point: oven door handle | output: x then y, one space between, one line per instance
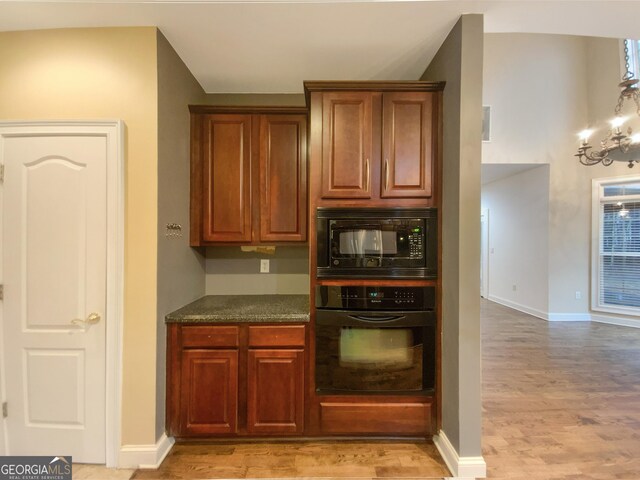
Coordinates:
370 319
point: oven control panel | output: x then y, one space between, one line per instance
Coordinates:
375 297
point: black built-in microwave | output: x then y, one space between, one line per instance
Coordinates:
377 242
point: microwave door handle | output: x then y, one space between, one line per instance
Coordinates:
365 318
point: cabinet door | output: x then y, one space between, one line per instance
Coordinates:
407 140
275 391
283 178
226 177
209 392
347 144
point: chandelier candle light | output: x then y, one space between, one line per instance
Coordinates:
616 144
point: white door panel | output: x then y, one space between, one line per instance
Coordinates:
54 382
54 267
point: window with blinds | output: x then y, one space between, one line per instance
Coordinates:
617 260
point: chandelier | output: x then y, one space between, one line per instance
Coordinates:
616 145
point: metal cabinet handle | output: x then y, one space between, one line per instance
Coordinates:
386 174
90 320
366 163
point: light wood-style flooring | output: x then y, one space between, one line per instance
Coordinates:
343 460
561 400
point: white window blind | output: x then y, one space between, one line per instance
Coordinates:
634 46
618 245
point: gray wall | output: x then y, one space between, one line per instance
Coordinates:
459 63
231 271
180 267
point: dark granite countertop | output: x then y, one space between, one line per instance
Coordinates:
243 308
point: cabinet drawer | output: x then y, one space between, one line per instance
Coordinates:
277 336
390 418
210 337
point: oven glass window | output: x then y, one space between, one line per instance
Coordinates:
368 242
372 348
370 359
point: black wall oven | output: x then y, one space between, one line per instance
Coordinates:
376 242
375 339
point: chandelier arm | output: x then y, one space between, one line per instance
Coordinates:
628 74
615 139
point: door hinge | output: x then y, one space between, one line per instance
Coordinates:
1 292
1 173
5 410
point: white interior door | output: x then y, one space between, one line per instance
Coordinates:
54 261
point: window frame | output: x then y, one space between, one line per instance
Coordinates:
634 57
598 199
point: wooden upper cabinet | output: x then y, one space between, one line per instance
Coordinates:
283 178
346 145
248 175
227 179
407 137
374 143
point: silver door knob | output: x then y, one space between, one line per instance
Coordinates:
90 320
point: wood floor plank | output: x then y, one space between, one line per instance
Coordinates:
339 459
560 399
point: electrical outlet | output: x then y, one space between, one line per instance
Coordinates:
264 265
578 295
514 287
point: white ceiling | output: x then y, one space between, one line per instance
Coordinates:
267 46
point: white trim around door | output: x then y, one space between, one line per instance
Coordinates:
113 132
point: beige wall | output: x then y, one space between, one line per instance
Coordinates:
459 63
543 90
180 267
104 73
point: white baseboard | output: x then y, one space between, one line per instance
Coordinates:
145 456
521 308
550 317
622 321
569 317
460 467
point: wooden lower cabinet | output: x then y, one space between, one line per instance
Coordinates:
235 380
275 391
209 392
375 418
